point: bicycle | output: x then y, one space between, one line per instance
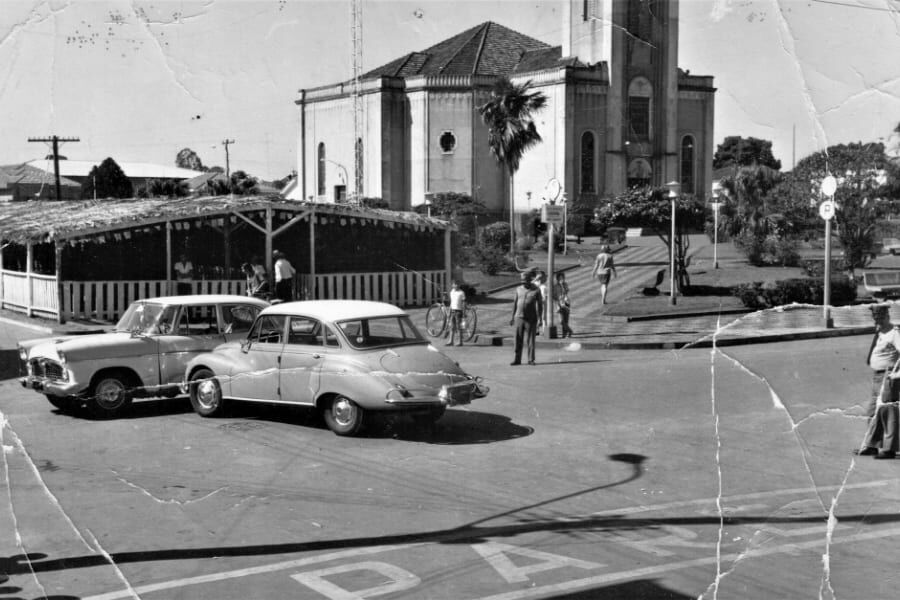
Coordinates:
437 320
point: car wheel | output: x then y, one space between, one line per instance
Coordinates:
109 396
206 393
343 416
63 404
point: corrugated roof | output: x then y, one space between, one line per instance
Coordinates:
486 49
134 170
41 221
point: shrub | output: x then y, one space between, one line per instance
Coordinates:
764 250
758 295
496 235
492 260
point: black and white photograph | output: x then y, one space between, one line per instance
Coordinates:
449 299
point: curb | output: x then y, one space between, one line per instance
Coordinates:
673 315
26 325
687 343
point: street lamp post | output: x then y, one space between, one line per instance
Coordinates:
826 211
339 166
717 189
674 189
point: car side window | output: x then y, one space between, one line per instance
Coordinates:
268 330
331 338
304 331
237 318
201 319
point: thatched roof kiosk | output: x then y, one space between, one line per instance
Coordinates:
52 244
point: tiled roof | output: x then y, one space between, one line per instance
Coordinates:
487 49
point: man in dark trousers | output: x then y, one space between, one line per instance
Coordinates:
528 311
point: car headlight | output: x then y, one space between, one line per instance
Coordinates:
62 356
23 354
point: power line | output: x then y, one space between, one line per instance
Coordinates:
862 6
56 140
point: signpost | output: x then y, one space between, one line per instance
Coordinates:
826 211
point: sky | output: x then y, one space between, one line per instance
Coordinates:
140 80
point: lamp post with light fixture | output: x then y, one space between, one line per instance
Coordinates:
674 190
716 191
339 166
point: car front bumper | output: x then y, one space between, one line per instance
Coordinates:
51 387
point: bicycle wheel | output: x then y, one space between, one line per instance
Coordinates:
469 324
435 320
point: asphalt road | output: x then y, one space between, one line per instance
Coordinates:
594 474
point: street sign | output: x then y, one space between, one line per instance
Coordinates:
829 186
553 214
826 210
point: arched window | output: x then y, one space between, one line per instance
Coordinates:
640 94
320 170
587 163
687 164
639 173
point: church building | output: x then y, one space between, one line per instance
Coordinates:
620 113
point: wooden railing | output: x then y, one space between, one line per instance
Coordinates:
29 293
404 288
107 300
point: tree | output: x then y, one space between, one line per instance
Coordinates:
749 188
447 205
107 181
511 130
738 151
188 159
164 188
862 171
240 184
652 208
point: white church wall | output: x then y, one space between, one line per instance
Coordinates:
330 122
548 159
450 118
418 144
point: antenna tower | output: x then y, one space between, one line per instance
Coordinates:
358 123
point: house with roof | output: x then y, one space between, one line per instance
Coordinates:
620 113
139 173
25 182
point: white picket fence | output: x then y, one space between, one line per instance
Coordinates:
106 300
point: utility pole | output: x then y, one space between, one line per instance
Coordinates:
55 139
358 117
227 164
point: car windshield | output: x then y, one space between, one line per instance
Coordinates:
147 318
378 332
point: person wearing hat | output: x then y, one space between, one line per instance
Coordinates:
881 407
528 311
604 270
284 277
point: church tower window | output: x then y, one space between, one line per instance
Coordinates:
687 164
320 170
587 163
447 142
640 93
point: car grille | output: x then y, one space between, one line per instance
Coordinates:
47 369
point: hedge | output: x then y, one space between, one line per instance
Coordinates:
758 294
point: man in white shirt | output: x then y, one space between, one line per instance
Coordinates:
883 355
457 308
184 275
284 277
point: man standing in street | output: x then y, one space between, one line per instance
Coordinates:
457 309
284 277
883 355
528 311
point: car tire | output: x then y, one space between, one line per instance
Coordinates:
206 394
64 404
110 395
343 416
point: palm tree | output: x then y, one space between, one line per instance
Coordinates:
511 131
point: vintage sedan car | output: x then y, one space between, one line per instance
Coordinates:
143 356
343 357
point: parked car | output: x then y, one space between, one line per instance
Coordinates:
143 356
342 357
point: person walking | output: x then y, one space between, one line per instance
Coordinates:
528 311
561 294
604 270
184 275
284 277
457 309
884 352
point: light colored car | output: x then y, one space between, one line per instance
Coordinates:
143 356
343 357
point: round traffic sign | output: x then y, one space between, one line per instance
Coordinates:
554 189
829 186
826 209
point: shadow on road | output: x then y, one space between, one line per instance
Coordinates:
9 364
630 590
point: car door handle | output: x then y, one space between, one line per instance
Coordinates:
317 356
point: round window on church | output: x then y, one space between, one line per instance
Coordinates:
448 142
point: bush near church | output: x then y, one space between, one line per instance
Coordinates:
759 295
